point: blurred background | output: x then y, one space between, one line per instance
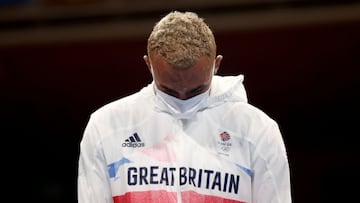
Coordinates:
62 59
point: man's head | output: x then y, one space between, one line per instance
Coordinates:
181 38
181 54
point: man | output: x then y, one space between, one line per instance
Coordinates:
189 136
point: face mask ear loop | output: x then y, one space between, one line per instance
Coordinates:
153 76
213 73
214 68
152 72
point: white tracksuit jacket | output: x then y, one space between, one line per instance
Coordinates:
230 152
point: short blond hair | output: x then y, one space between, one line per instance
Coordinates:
181 38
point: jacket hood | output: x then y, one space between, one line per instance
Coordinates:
227 88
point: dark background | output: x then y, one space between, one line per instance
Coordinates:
305 76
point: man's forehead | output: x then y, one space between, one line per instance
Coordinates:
156 59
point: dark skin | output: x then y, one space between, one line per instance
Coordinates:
183 83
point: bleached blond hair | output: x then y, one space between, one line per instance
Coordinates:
181 38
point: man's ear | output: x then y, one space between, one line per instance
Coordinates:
218 60
147 61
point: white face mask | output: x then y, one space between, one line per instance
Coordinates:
181 109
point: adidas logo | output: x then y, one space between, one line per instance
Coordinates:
133 141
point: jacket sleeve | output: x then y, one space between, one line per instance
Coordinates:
93 185
271 181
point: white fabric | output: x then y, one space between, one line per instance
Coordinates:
231 151
181 109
